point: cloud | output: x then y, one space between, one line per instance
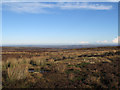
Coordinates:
84 42
112 0
116 40
85 6
60 0
42 7
27 7
105 41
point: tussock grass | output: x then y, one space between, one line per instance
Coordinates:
60 67
17 72
82 68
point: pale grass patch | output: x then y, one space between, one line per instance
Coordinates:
17 73
38 60
60 67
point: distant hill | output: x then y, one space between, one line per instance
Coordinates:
60 46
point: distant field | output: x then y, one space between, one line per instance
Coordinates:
34 67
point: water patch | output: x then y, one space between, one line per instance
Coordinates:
31 70
44 71
40 71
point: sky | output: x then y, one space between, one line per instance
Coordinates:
59 23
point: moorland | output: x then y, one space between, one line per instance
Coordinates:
34 67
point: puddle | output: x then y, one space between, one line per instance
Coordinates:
104 62
31 70
41 71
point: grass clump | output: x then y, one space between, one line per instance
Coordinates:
82 64
60 68
17 73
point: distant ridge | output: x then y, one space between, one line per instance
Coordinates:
59 46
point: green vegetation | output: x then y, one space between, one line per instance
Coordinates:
82 65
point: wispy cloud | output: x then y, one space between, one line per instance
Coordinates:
61 0
42 7
27 7
85 6
84 42
116 40
105 41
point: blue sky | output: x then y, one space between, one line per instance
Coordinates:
59 23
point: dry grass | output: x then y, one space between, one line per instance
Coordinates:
74 68
60 67
17 72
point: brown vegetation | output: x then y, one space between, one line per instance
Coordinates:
25 67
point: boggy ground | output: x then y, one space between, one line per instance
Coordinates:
24 67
